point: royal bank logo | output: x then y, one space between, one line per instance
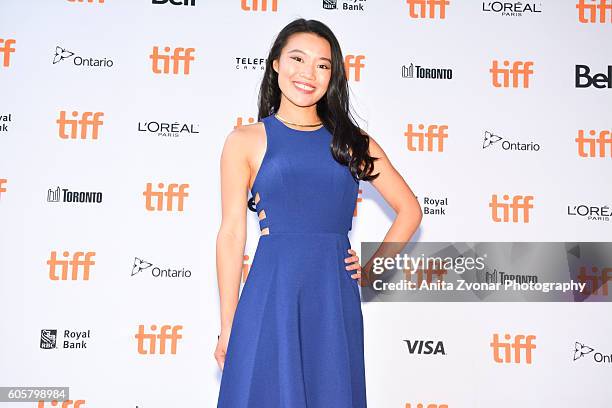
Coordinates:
48 338
348 5
492 140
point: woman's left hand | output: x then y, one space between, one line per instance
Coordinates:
354 261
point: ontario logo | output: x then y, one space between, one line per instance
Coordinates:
581 351
491 139
62 54
141 265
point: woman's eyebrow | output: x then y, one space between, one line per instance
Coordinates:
300 51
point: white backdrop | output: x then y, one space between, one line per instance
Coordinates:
230 42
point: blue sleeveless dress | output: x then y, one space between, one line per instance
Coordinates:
297 334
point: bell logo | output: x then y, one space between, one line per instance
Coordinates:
519 69
587 145
69 128
171 194
427 8
64 404
179 55
2 188
81 261
252 5
519 203
353 63
147 341
593 8
521 343
434 133
6 49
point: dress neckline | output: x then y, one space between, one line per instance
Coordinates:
295 130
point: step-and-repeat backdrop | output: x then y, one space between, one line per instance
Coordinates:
112 119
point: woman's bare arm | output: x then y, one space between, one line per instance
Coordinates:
231 238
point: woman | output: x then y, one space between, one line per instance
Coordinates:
297 330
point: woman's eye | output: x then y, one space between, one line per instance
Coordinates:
295 58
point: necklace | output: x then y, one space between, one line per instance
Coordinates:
296 124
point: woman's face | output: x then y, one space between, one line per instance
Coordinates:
304 68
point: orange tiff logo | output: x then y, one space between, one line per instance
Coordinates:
596 280
154 200
253 5
435 135
513 209
147 342
81 262
587 145
78 126
427 8
180 56
3 181
353 63
522 345
64 404
520 70
594 9
420 405
6 49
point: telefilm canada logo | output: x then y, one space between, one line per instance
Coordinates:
351 5
64 195
250 63
62 54
141 265
71 339
511 8
413 71
171 130
491 140
583 351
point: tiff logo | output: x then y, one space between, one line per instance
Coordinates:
427 8
353 63
252 5
179 55
147 341
593 8
6 49
420 405
520 69
78 127
64 404
587 145
595 281
3 181
80 261
502 351
434 133
513 209
171 194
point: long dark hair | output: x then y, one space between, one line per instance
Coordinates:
332 108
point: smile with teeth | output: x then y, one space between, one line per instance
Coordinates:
303 87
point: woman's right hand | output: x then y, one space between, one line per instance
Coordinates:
221 349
